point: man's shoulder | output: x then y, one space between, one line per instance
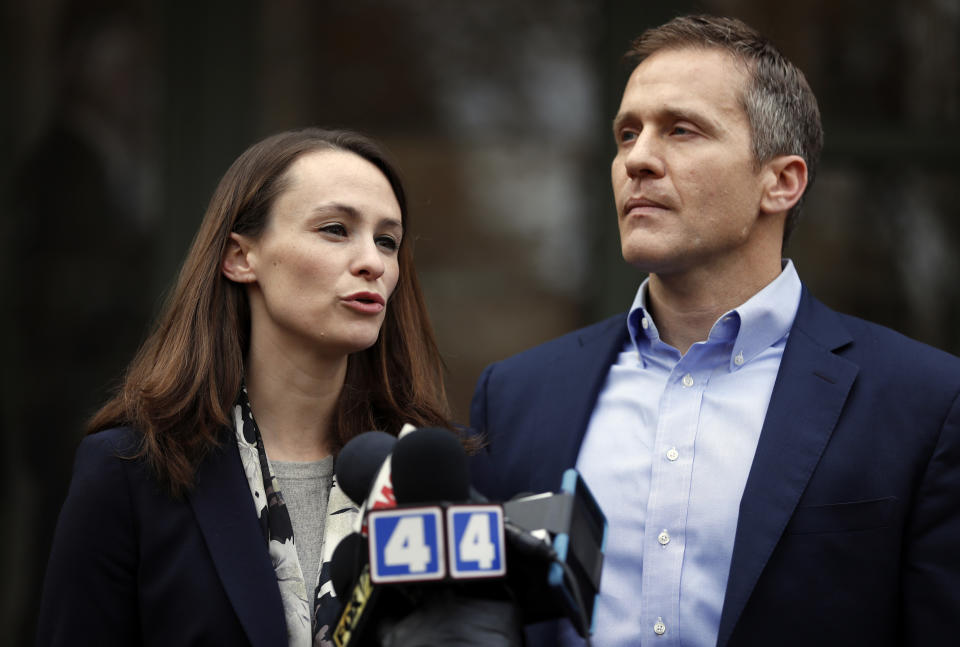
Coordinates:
609 329
892 345
879 346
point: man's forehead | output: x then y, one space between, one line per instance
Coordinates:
699 63
686 79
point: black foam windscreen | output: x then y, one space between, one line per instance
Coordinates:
429 465
347 561
360 460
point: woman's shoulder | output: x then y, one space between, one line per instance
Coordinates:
115 443
104 457
91 579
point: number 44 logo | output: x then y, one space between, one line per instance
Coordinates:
475 543
411 544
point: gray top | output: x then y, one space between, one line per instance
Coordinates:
306 488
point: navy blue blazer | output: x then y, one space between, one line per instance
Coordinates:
132 566
849 527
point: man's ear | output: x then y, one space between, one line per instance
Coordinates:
236 264
785 180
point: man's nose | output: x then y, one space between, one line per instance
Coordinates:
644 156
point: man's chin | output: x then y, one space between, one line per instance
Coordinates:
644 259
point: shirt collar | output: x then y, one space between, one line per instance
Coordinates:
759 323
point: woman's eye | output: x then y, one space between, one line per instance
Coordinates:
334 229
388 242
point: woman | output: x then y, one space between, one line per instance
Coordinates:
298 301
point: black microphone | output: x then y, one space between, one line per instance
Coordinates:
359 462
363 471
347 562
439 529
555 542
425 466
558 540
429 466
572 531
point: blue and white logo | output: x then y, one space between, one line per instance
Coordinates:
475 541
406 545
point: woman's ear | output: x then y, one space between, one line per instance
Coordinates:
236 264
785 182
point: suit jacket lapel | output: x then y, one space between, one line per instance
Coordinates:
221 503
571 406
810 392
556 404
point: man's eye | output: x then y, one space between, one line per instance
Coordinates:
627 136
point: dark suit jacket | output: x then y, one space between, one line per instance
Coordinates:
849 527
132 566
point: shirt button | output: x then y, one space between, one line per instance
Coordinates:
659 628
663 538
672 454
738 360
688 380
645 323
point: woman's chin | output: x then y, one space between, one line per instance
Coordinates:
353 343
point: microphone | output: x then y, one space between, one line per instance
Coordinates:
430 466
439 529
570 529
425 466
347 562
555 542
360 461
435 531
363 471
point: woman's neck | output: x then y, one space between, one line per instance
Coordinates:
293 401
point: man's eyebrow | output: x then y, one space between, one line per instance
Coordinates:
684 114
667 113
621 119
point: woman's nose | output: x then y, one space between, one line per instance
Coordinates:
368 260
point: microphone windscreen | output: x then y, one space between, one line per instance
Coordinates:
347 561
429 465
360 460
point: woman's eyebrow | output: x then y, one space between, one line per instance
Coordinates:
338 207
354 214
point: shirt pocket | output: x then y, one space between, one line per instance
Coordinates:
843 517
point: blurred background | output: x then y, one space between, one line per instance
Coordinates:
120 117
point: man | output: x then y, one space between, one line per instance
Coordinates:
773 472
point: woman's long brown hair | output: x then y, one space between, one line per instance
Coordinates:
182 384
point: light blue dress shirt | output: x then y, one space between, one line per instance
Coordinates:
667 453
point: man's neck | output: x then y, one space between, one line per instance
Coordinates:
685 307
